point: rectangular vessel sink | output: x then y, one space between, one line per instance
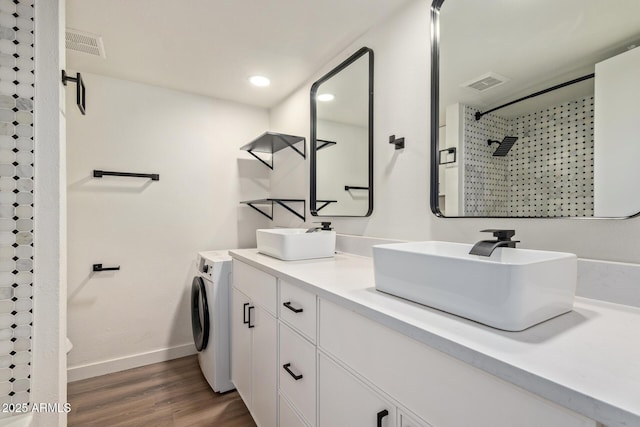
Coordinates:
511 290
292 244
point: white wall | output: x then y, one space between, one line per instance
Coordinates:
401 210
152 229
344 163
617 130
49 363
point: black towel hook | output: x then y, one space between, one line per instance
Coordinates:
81 97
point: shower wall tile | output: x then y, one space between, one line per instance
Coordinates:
17 81
551 170
548 172
485 184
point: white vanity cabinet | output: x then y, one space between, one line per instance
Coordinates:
254 341
299 360
288 416
438 388
298 309
345 401
297 352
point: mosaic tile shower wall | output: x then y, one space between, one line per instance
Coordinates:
16 198
548 172
486 187
551 170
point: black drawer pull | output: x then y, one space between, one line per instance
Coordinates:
295 377
244 313
295 310
249 325
381 415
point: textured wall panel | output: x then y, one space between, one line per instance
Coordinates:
16 198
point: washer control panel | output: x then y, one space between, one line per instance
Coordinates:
205 267
213 264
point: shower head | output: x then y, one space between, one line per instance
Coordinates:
505 145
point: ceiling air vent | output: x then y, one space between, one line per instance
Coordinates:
485 81
84 42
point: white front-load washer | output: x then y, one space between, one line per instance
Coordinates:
210 297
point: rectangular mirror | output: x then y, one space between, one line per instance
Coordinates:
342 139
534 108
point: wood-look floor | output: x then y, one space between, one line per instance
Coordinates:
167 394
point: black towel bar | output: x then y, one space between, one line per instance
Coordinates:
100 174
99 267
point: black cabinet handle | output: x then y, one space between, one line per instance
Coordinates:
381 415
295 310
249 325
295 377
244 313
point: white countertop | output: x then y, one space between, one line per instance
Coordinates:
587 360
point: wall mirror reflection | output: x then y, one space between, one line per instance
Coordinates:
535 108
342 139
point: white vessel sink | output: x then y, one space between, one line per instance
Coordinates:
512 289
292 244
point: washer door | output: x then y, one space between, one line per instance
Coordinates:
199 313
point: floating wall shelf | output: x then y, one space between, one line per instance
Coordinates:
272 142
282 202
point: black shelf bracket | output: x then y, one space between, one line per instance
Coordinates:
272 142
351 187
252 206
81 92
303 153
264 162
323 143
324 204
281 202
152 176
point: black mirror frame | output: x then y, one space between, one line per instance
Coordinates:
436 5
435 100
314 142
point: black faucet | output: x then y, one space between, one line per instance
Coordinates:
326 226
503 239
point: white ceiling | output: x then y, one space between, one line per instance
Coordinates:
211 47
351 90
534 43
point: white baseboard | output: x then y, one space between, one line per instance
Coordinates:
76 373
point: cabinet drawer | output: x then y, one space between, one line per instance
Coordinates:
438 388
298 309
346 402
297 369
256 284
288 417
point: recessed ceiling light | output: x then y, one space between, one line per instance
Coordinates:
259 81
325 97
